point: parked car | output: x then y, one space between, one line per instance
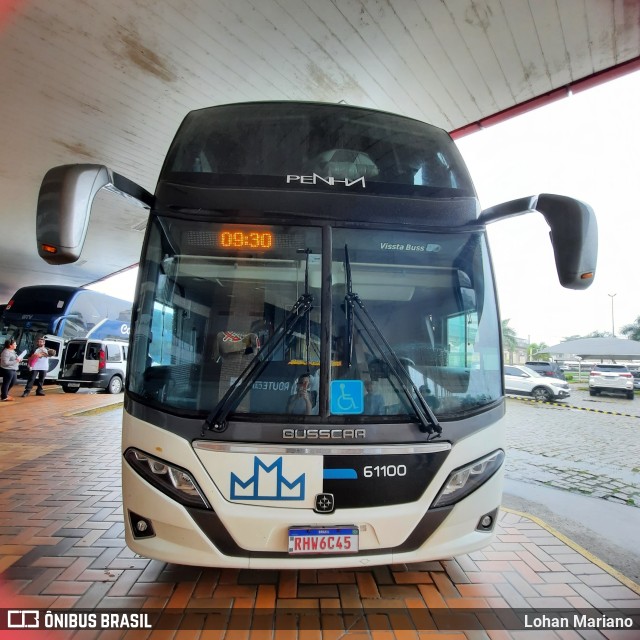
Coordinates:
611 378
636 379
96 364
550 369
524 381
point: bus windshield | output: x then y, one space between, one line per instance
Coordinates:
259 144
217 298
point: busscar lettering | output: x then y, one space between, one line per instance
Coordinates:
329 180
323 434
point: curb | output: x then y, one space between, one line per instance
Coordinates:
576 547
96 411
571 406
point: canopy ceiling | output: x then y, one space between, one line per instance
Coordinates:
109 82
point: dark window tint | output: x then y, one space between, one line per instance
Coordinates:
276 140
37 300
75 352
93 351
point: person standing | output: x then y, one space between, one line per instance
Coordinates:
39 363
9 361
301 403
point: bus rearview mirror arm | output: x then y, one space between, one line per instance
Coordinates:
574 233
64 207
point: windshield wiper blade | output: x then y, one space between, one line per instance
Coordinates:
428 421
217 419
348 306
307 340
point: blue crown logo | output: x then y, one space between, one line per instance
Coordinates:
267 483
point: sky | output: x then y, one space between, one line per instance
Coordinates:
586 146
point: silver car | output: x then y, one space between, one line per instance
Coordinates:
522 381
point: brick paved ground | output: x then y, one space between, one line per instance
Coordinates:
62 547
577 449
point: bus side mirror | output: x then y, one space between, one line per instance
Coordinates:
574 233
64 207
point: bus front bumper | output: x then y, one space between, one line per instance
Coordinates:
179 537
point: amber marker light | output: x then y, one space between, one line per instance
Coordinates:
48 248
587 276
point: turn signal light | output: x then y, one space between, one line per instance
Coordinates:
49 248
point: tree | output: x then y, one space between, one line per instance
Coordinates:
632 331
600 334
537 351
593 334
509 342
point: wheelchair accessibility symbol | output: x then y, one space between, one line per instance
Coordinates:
347 396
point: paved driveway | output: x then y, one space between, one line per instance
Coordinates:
586 445
605 402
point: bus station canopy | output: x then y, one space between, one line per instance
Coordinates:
611 348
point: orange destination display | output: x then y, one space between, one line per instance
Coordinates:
246 239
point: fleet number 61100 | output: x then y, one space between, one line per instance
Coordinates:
384 471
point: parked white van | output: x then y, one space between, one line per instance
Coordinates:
96 364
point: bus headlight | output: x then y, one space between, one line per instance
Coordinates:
171 480
467 479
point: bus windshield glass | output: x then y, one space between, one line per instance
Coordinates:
218 298
286 145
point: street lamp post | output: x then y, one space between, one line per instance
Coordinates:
613 326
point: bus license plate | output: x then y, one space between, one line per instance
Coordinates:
331 540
